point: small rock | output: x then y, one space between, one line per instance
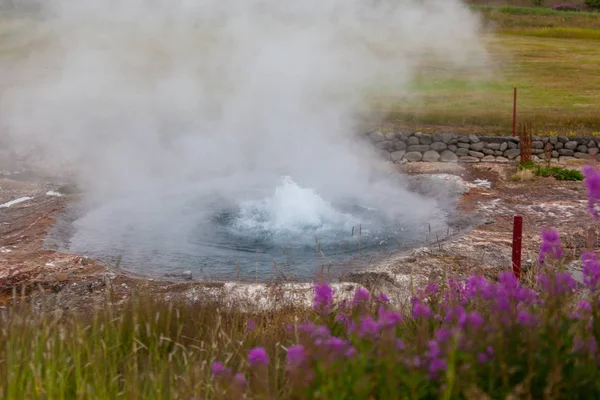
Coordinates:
563 159
566 152
555 154
386 144
477 146
563 139
397 155
493 146
390 136
447 137
501 159
512 145
571 145
498 153
473 139
425 139
418 147
438 146
413 140
452 147
468 159
431 156
187 275
464 145
583 156
512 153
559 145
503 146
413 156
419 134
593 151
488 152
488 159
452 141
462 151
463 139
537 151
448 156
399 145
476 154
582 148
537 144
436 137
553 139
377 136
591 144
402 136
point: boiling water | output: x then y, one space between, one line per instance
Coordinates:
288 231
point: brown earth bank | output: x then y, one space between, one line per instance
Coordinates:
73 281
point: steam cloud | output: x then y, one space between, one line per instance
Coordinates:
142 96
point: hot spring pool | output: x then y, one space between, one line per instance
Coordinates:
285 230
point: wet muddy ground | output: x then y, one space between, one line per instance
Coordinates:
26 266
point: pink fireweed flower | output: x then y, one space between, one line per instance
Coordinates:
591 270
562 283
592 184
550 246
526 319
218 369
251 325
388 319
368 327
361 295
258 356
323 297
240 379
421 310
295 356
382 298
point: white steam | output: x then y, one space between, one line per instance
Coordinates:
145 96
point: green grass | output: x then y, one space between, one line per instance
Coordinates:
552 57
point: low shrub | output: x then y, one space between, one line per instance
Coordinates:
559 173
593 3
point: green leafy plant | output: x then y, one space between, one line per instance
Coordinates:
592 3
559 173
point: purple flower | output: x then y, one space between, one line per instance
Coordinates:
525 318
562 283
258 356
296 355
251 325
400 344
218 369
442 335
591 270
433 349
323 297
437 365
368 327
474 319
592 183
584 306
388 319
361 295
316 331
421 310
550 245
382 298
482 358
240 379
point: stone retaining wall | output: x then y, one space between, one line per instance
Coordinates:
445 147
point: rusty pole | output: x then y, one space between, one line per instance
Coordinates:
516 245
515 112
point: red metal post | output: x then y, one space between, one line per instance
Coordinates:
515 112
516 245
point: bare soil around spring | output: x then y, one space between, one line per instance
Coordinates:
71 280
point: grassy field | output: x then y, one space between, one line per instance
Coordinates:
553 58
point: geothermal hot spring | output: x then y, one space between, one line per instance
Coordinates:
258 232
217 137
